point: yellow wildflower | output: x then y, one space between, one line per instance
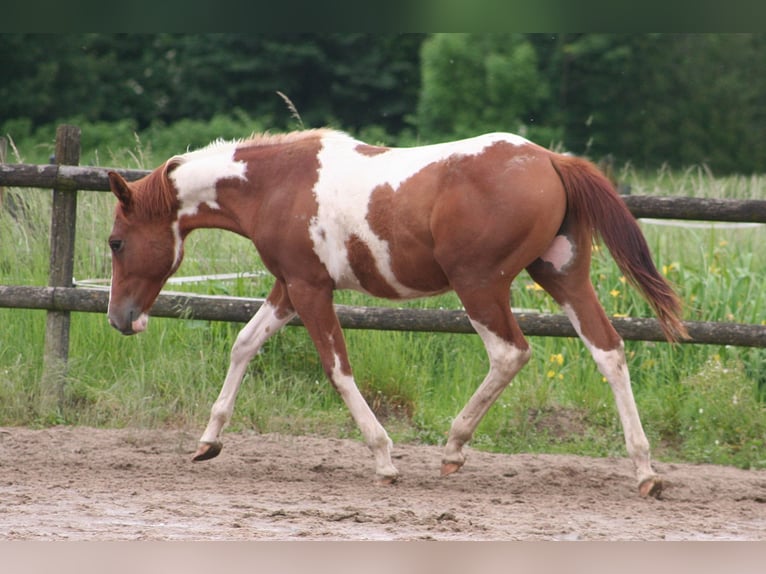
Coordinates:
557 358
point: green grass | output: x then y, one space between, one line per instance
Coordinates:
698 403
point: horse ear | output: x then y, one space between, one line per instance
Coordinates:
120 189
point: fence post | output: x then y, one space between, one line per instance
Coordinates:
62 238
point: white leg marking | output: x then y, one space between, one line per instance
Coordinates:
505 360
613 366
374 434
250 339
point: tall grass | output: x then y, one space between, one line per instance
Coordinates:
698 403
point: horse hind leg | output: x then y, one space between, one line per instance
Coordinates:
574 292
275 312
508 352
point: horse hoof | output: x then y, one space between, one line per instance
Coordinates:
387 480
207 450
651 486
450 468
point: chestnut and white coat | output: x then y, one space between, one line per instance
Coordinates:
328 212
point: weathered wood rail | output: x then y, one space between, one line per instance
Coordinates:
61 297
241 309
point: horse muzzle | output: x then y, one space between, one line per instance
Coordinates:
134 322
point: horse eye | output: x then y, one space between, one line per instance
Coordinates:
116 245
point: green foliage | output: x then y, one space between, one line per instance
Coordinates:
721 418
121 143
474 83
648 99
352 79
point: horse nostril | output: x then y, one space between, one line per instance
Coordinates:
127 329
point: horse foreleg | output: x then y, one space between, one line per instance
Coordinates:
315 307
508 352
275 312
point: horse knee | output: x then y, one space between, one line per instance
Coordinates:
511 360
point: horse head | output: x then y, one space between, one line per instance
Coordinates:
146 247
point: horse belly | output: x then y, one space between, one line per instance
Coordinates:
368 267
393 266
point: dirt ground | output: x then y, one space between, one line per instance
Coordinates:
91 484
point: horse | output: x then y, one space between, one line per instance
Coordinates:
326 211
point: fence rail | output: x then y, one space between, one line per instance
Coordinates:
241 309
61 297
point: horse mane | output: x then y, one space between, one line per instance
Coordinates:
268 139
154 196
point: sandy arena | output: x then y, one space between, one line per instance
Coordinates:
69 483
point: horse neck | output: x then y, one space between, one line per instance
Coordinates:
209 189
234 192
225 213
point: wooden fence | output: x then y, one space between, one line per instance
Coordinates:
60 297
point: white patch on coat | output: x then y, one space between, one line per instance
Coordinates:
199 172
196 178
503 356
575 320
343 189
178 242
560 252
139 325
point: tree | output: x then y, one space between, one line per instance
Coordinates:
43 75
651 99
473 83
350 80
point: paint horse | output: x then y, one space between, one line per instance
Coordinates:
328 212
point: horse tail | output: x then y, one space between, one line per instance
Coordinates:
593 203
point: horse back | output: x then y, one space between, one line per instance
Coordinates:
386 221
